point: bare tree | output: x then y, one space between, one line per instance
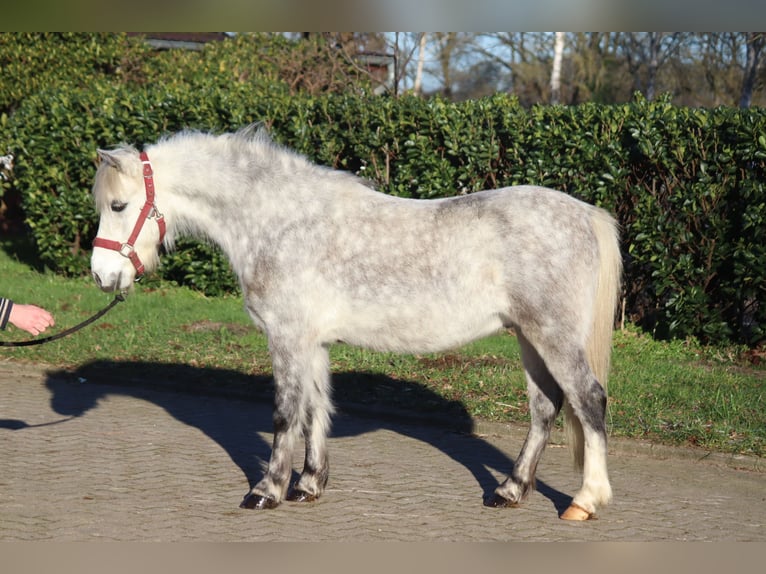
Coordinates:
404 45
698 69
645 53
446 44
418 86
525 56
718 54
596 70
716 68
754 45
558 54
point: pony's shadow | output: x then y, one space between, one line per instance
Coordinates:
237 431
17 424
13 424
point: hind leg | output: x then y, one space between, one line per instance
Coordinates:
587 400
590 408
545 400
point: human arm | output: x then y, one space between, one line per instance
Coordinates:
30 318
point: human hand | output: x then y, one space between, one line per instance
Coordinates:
31 318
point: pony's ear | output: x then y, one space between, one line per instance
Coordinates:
253 131
109 158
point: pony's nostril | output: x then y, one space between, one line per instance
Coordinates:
108 287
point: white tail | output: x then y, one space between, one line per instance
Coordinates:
599 345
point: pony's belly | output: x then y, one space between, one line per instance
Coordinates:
417 334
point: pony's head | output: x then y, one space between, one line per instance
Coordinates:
128 238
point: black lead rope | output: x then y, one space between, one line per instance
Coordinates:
117 299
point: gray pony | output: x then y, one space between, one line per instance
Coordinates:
322 257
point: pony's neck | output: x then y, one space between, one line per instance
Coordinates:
237 192
201 196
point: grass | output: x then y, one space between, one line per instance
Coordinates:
676 392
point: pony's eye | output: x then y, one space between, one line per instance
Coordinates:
118 206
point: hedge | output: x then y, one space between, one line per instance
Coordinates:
687 185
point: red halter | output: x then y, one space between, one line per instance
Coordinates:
149 210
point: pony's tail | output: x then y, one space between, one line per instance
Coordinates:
599 345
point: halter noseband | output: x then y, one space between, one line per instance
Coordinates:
149 210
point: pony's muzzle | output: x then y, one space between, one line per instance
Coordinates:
107 287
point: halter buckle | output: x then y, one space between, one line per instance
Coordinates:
126 249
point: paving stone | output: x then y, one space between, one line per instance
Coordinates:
100 461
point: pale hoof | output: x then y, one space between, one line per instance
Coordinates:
575 512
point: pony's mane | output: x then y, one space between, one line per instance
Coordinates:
255 140
245 140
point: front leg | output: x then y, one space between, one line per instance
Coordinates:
301 408
272 488
288 364
316 466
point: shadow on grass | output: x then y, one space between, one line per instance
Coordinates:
19 246
433 420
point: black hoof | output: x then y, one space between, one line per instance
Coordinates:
497 501
258 502
297 495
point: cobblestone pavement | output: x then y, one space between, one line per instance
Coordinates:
89 460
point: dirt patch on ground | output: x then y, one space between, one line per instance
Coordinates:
452 361
207 326
756 356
